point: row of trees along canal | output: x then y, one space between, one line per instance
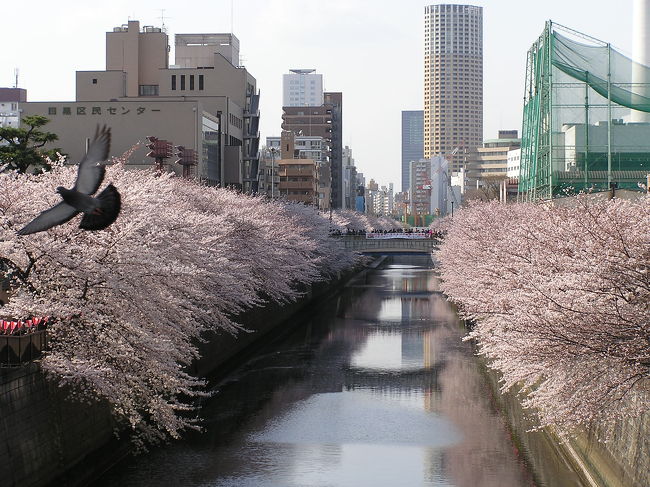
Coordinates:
128 303
559 296
560 301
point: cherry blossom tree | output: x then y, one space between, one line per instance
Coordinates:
560 301
129 303
441 225
354 220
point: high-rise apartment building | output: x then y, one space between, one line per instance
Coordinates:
412 142
315 148
325 121
333 100
384 201
302 88
298 176
311 112
453 81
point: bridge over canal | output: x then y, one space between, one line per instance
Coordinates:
389 245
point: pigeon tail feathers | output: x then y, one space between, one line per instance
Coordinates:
110 203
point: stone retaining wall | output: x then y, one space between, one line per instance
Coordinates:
42 432
628 441
622 461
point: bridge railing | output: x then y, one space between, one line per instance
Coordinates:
360 243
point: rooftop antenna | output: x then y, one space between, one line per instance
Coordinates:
16 76
162 20
231 17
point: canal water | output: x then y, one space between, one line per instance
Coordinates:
373 388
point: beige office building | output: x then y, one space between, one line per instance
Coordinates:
489 162
298 180
206 102
453 82
420 187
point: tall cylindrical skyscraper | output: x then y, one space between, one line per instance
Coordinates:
453 81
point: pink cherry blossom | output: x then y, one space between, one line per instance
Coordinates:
129 303
560 301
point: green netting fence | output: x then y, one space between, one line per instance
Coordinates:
586 120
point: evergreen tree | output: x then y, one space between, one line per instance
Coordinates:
22 147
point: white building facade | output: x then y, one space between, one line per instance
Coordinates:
307 147
302 87
10 99
514 163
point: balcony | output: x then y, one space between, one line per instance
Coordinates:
299 172
297 185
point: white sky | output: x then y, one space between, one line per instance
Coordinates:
372 51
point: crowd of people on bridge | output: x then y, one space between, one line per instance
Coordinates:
362 232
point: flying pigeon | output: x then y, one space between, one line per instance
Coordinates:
98 212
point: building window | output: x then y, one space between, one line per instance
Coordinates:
94 81
182 82
173 82
200 82
148 90
191 82
51 110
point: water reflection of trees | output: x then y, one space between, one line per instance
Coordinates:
317 358
486 457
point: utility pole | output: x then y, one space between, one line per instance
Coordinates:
272 172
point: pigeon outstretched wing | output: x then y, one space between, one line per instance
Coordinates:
91 172
56 215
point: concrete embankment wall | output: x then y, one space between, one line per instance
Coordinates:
46 438
221 347
43 433
628 441
622 461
